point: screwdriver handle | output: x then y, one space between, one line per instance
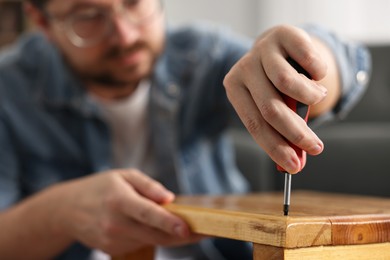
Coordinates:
301 109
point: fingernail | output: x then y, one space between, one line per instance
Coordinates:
323 89
169 194
291 166
317 149
167 197
179 230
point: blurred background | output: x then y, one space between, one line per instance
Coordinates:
364 20
355 159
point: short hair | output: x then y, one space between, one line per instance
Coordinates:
38 3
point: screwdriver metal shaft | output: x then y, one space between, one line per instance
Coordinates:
287 193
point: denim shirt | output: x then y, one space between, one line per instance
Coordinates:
51 132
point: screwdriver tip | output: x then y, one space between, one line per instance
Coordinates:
287 193
286 209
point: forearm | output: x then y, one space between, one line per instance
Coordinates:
29 229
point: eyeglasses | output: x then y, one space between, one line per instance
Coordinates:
90 25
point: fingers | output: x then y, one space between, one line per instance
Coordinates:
263 133
287 80
142 203
292 42
121 205
148 187
254 86
297 44
149 213
281 118
129 235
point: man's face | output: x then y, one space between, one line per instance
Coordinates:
127 52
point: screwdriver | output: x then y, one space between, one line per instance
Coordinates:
303 111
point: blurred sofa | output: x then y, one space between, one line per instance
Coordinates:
356 158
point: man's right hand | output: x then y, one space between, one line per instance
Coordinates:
256 83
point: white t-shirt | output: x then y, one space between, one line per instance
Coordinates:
128 122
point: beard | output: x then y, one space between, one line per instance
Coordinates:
108 80
107 73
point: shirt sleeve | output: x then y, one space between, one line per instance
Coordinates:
9 180
354 64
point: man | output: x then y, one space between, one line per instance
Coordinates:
105 88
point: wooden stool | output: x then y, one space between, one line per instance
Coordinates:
320 225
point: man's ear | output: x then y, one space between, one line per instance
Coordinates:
37 18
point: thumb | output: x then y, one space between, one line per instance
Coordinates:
147 187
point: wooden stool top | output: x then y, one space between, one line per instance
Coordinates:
315 218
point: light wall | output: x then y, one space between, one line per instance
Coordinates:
234 13
363 20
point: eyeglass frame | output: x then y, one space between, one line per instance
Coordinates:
76 40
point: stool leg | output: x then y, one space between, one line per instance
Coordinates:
146 253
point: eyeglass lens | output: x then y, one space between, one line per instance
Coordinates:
93 23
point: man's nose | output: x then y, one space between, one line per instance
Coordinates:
124 32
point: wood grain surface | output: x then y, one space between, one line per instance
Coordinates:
346 252
316 219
